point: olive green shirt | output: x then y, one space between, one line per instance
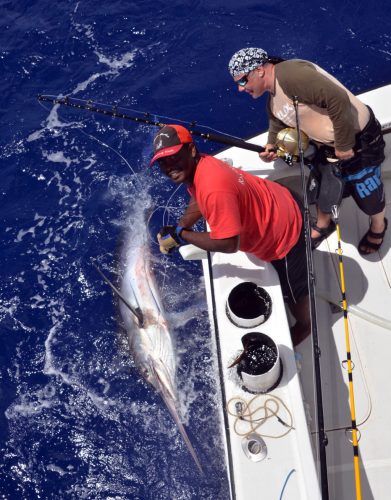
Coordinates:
328 112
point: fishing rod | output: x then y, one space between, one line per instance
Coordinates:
146 118
322 438
335 212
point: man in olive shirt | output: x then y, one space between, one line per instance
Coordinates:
334 119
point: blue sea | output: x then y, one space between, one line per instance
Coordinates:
76 419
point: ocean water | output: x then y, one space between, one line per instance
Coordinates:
76 419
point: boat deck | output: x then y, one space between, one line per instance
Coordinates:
288 464
367 282
293 450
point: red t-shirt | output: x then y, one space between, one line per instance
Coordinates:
234 202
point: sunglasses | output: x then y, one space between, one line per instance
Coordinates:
243 81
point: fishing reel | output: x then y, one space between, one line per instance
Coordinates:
288 145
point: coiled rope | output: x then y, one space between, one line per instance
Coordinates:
251 415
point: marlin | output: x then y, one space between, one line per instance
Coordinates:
147 329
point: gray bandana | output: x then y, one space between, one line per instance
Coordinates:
245 60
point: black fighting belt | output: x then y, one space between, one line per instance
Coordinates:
325 186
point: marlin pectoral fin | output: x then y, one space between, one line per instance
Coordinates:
137 312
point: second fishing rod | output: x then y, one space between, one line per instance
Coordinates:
322 437
147 119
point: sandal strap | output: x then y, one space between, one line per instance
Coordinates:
320 230
323 231
378 235
369 244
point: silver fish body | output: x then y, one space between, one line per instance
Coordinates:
149 336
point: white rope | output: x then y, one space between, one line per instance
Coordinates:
251 415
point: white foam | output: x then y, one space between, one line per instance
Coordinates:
87 289
49 237
57 157
181 318
59 470
83 85
106 385
103 403
31 230
117 63
27 407
42 282
91 162
37 302
52 123
9 308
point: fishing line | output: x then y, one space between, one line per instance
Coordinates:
356 463
148 221
166 211
97 140
90 136
166 259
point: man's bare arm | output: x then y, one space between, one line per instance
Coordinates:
191 215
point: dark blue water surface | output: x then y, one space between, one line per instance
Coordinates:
76 419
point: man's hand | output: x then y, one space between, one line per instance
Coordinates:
169 238
269 154
344 155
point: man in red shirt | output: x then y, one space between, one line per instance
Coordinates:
244 213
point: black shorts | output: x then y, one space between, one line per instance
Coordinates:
366 188
292 270
361 174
